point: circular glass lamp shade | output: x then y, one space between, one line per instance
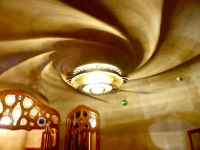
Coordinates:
96 79
97 82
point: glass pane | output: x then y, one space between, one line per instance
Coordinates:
1 107
34 112
78 114
10 100
41 121
92 122
16 114
23 122
27 103
5 120
85 114
55 119
47 115
19 97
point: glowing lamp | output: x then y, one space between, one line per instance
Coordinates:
96 79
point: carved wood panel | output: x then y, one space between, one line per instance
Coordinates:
83 129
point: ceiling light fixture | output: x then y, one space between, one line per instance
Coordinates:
96 79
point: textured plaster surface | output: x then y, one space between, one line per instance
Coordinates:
152 42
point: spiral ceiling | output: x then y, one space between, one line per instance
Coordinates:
151 41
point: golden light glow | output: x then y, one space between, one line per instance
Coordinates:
96 79
97 76
97 88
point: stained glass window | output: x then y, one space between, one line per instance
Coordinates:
20 110
83 129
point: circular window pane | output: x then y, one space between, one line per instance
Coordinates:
41 121
27 103
23 122
10 100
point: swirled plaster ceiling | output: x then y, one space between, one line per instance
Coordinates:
152 41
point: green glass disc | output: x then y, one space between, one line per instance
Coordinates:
124 102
